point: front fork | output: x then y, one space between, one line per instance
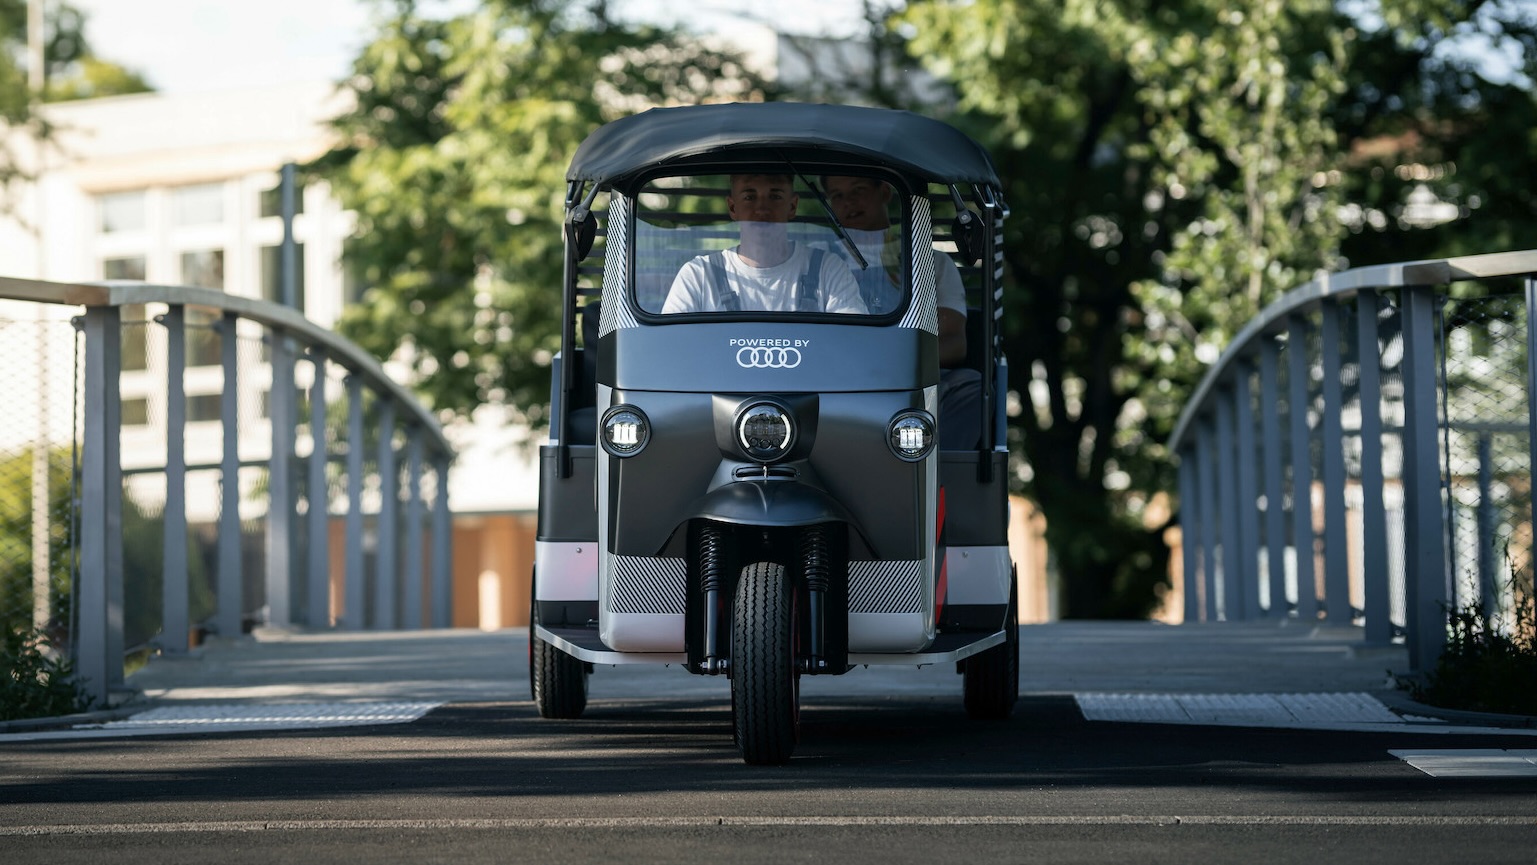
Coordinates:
814 562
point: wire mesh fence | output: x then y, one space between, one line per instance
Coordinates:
1487 451
37 474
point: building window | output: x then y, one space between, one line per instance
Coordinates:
204 340
135 347
131 267
136 411
203 268
202 204
272 274
203 407
122 211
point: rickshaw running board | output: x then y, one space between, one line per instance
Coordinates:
584 644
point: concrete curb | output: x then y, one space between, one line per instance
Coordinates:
1402 704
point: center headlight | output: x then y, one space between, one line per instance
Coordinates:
765 431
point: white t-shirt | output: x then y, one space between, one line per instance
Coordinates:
951 292
764 289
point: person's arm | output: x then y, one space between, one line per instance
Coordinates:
952 312
687 292
952 338
840 289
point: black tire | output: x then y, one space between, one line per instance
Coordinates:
559 681
765 693
991 677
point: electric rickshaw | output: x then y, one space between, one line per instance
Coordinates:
763 495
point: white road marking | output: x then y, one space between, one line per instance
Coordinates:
658 822
1471 762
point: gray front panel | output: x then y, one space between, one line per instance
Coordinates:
886 587
643 584
768 357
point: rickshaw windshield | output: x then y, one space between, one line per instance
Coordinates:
762 243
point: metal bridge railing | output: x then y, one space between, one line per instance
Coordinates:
1362 452
223 463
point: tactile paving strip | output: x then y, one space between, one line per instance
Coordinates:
1244 710
236 717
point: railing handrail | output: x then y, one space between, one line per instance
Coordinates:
1342 285
274 315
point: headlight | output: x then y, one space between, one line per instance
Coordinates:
765 431
911 435
625 430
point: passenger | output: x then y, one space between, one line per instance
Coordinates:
862 205
766 271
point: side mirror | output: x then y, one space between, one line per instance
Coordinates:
581 231
967 230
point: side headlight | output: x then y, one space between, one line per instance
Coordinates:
911 435
625 431
765 431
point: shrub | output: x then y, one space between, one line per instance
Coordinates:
36 681
1486 666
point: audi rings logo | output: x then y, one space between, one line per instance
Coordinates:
768 358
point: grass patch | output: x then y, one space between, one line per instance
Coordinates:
1490 661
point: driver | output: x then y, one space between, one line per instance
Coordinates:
766 271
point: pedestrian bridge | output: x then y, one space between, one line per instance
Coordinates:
1360 454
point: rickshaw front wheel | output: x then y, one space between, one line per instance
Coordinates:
765 692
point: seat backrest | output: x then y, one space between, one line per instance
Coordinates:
976 344
585 392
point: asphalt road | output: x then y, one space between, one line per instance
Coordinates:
883 774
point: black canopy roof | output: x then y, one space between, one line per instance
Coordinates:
702 134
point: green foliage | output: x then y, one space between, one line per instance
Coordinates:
1173 168
454 161
71 70
16 539
35 681
1486 667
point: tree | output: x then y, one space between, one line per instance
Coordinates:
70 68
1173 167
454 159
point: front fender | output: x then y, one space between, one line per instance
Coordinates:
769 502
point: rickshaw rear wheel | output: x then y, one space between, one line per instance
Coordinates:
991 677
765 692
560 681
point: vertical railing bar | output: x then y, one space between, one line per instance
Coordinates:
98 651
1302 467
1227 508
1530 291
1209 508
1190 533
1247 512
442 547
318 569
1337 609
174 616
386 568
1424 558
231 582
1375 573
354 615
1275 509
280 506
413 572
